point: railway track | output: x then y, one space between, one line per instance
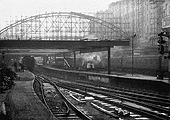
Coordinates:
83 111
146 94
159 109
161 103
159 99
140 105
55 103
85 107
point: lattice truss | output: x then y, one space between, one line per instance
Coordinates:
61 26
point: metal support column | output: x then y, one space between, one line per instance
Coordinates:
108 62
75 60
132 57
45 58
64 57
55 59
133 53
50 59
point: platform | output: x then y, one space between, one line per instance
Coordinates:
140 77
24 103
116 75
115 79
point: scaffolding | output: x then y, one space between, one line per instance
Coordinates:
156 13
62 26
142 17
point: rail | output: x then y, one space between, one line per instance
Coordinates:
81 114
52 117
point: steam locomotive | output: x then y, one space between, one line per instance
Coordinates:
28 62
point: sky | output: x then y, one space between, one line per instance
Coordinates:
14 9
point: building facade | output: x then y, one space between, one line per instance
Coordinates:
140 17
166 16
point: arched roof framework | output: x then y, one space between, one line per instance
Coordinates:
61 26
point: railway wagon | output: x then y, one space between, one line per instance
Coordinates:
29 63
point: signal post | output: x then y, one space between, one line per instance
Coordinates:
161 48
169 58
165 53
166 34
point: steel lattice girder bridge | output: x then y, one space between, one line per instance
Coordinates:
65 26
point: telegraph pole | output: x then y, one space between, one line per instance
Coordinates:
74 60
133 52
132 56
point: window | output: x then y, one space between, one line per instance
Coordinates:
164 13
166 9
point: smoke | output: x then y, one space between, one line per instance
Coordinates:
91 57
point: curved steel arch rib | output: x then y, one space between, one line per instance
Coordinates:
68 17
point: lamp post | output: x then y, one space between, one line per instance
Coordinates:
74 60
133 52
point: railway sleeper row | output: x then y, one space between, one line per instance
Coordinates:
147 103
140 111
115 111
68 114
150 113
159 99
120 95
90 115
137 96
151 98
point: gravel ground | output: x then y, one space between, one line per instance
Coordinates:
24 103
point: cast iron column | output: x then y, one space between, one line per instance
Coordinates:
108 67
75 60
45 58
